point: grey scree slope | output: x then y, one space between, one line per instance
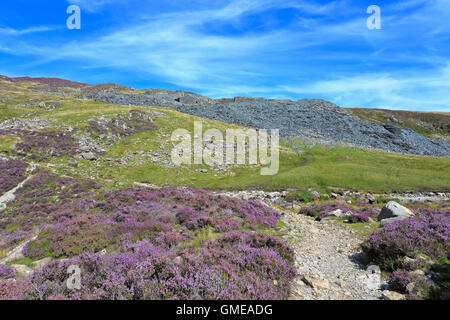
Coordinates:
314 119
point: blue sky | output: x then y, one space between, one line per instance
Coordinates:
276 49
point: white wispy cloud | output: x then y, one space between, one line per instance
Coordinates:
171 45
176 47
15 32
384 90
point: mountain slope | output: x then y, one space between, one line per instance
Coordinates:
143 155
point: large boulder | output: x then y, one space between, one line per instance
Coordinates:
394 210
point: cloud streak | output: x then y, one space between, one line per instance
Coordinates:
15 32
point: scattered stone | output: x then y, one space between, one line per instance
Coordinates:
370 198
314 194
29 124
337 213
394 210
374 269
88 156
392 295
316 281
417 273
325 258
407 260
410 287
178 260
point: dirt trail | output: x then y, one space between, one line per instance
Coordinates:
326 259
16 253
10 195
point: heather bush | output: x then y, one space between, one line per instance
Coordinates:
42 200
322 210
40 145
240 269
12 172
147 235
13 289
427 233
358 218
31 251
225 224
7 272
368 211
399 279
192 219
416 287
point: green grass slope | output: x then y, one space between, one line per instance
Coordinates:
317 166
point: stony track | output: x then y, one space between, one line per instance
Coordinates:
327 261
327 256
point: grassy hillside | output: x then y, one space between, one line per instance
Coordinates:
426 123
127 161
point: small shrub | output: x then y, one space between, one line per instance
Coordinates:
398 280
427 233
7 272
358 218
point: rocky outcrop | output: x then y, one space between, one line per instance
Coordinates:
175 99
321 121
394 210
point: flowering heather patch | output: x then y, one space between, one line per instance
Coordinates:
95 221
148 232
358 218
7 272
42 144
418 287
49 143
36 202
13 289
322 210
399 279
240 265
427 233
51 82
12 172
367 211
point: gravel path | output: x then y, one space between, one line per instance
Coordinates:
326 259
